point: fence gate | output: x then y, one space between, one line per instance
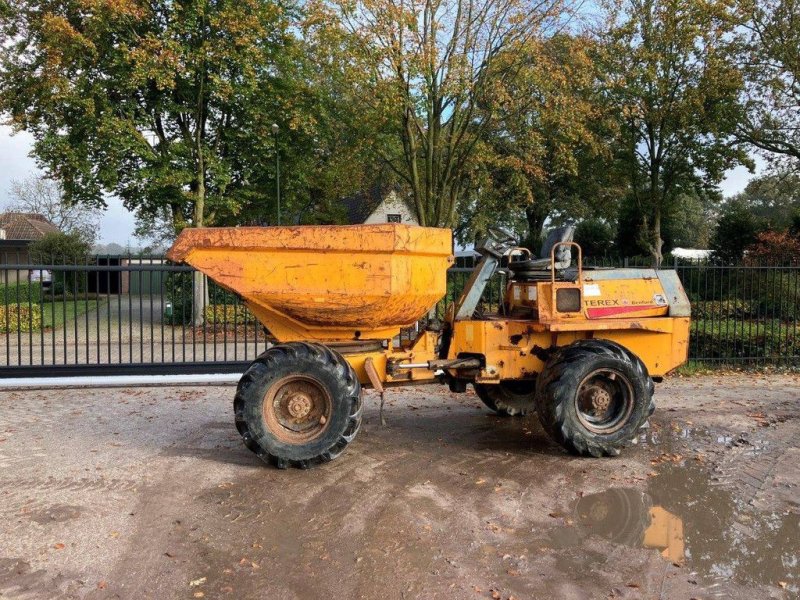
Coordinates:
136 315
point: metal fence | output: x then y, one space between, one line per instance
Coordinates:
134 315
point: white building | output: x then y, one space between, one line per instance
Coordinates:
378 206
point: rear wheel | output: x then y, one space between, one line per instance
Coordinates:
508 398
593 396
298 404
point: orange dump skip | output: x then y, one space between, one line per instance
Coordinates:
325 282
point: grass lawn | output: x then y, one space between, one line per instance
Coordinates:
54 313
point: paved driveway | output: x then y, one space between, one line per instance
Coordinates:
148 493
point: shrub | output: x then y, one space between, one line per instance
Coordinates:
20 317
729 339
736 229
178 287
722 309
22 292
227 314
773 248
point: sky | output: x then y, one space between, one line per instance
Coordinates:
118 223
15 163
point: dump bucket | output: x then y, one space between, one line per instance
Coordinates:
325 282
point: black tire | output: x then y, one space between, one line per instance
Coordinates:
593 396
282 398
508 398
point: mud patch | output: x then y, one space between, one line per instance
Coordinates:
57 513
693 520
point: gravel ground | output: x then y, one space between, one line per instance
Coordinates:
149 493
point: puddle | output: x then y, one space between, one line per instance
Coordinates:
693 523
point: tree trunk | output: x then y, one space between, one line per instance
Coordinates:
657 243
535 215
199 283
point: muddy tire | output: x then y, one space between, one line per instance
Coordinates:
593 396
508 398
298 405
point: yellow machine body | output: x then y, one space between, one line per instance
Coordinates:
349 285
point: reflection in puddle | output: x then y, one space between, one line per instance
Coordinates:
690 521
625 516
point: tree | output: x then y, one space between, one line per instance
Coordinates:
774 197
63 249
167 105
428 64
677 93
737 228
769 55
60 248
45 197
548 146
595 237
689 222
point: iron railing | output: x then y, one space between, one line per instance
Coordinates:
134 315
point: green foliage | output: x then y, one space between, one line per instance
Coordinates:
178 291
22 293
60 249
170 107
677 95
737 228
63 249
734 308
769 52
222 314
773 198
20 317
546 153
734 339
595 237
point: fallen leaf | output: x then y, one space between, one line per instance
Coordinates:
496 595
198 594
59 546
101 585
196 582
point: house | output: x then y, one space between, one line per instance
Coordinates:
17 231
378 205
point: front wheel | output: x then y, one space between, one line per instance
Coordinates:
593 396
298 404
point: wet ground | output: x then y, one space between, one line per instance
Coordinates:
148 493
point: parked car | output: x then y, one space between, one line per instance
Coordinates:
44 276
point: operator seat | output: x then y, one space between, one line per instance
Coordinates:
538 269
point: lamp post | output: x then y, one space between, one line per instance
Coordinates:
275 130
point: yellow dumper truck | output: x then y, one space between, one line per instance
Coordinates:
580 346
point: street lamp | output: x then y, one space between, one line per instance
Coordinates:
275 130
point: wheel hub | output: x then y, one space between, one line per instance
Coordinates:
604 401
601 400
299 405
297 408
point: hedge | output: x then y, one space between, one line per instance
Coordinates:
20 317
22 292
227 314
736 340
